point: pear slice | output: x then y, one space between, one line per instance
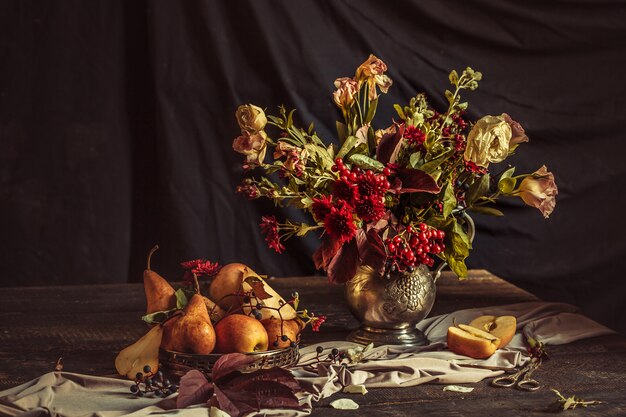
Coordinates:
144 351
503 327
472 342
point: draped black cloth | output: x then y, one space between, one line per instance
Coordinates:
117 119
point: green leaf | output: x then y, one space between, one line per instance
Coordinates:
449 96
158 316
366 162
305 229
342 131
351 142
311 127
507 185
478 189
508 173
371 112
306 202
181 299
290 118
449 200
487 210
399 111
433 164
414 159
453 77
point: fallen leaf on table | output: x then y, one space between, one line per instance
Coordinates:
562 403
355 389
239 393
194 389
344 404
458 388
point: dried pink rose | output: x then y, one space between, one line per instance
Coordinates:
539 190
253 146
346 90
518 134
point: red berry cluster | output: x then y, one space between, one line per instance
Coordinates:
414 247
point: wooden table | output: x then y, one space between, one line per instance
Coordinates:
88 325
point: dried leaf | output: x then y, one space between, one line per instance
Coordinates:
326 252
254 396
344 404
344 265
390 144
59 365
194 389
415 180
258 287
355 389
458 388
230 363
276 374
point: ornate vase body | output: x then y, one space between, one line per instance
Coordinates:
389 309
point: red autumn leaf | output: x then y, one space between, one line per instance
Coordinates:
414 180
253 395
272 374
326 252
258 287
343 266
194 389
372 251
389 147
229 363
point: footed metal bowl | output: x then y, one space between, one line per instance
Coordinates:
178 363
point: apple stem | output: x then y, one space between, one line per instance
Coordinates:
154 249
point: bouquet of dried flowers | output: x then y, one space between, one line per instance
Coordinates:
388 198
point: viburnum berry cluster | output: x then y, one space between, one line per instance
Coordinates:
412 247
366 191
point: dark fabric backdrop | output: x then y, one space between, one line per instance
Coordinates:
117 118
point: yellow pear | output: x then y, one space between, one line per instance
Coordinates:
215 312
232 280
159 293
144 351
193 332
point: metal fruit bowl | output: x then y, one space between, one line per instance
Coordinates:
179 363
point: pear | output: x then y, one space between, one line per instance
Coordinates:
159 293
232 280
215 312
144 351
193 332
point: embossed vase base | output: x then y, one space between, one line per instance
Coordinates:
379 336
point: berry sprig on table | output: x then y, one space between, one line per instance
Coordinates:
147 382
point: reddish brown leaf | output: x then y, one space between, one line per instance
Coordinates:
373 251
272 374
258 287
255 395
343 266
326 252
194 389
229 363
390 143
414 180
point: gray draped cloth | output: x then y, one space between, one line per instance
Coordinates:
66 394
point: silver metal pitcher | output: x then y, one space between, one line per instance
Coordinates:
389 309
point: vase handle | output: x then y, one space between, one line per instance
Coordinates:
471 232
